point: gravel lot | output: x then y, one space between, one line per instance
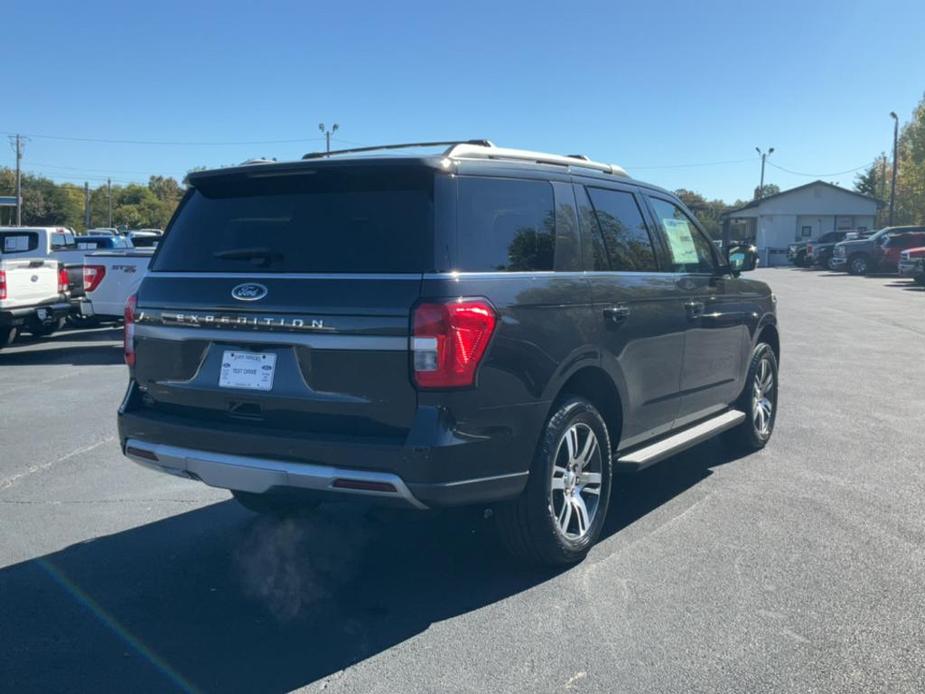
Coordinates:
801 568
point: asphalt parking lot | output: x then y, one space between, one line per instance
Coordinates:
800 568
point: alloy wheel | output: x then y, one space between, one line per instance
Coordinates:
576 481
763 397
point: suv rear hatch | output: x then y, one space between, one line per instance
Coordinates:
279 300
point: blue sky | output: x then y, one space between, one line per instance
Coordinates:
665 89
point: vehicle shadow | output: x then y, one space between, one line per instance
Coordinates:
906 283
217 599
95 347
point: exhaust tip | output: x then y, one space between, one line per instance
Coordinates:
365 485
142 453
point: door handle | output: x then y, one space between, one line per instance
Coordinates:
694 309
617 314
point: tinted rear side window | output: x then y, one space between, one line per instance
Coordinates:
626 238
505 225
18 242
357 221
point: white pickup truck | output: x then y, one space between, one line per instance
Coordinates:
33 296
53 243
109 279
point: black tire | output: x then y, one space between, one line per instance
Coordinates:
801 259
274 505
919 280
749 436
858 264
528 525
39 329
8 336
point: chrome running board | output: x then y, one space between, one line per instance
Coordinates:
643 457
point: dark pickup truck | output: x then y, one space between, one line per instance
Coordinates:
819 252
861 256
481 326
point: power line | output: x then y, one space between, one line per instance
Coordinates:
168 142
820 175
83 169
685 166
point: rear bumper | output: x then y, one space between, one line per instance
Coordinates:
436 466
14 317
260 475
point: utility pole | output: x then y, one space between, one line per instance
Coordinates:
86 205
327 135
109 195
764 156
893 184
19 147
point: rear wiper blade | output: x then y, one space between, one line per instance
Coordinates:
263 254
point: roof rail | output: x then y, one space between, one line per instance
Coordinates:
477 150
407 145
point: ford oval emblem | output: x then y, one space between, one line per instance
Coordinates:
250 291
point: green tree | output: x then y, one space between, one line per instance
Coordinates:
910 177
868 182
166 189
709 212
769 189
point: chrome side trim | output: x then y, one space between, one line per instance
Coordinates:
247 474
285 276
684 439
383 343
477 480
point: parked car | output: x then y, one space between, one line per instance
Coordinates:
893 247
33 296
796 253
866 255
110 278
143 239
103 231
102 243
53 243
912 264
486 326
819 252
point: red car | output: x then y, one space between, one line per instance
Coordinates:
912 264
894 246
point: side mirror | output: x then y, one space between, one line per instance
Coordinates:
742 259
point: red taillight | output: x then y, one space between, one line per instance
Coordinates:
449 340
63 281
129 331
93 275
2 284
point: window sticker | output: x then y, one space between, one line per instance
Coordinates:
683 250
15 244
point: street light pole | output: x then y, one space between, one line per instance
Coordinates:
327 135
893 184
764 156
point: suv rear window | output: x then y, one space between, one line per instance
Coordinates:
356 221
505 224
18 242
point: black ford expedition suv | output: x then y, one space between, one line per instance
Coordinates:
484 326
